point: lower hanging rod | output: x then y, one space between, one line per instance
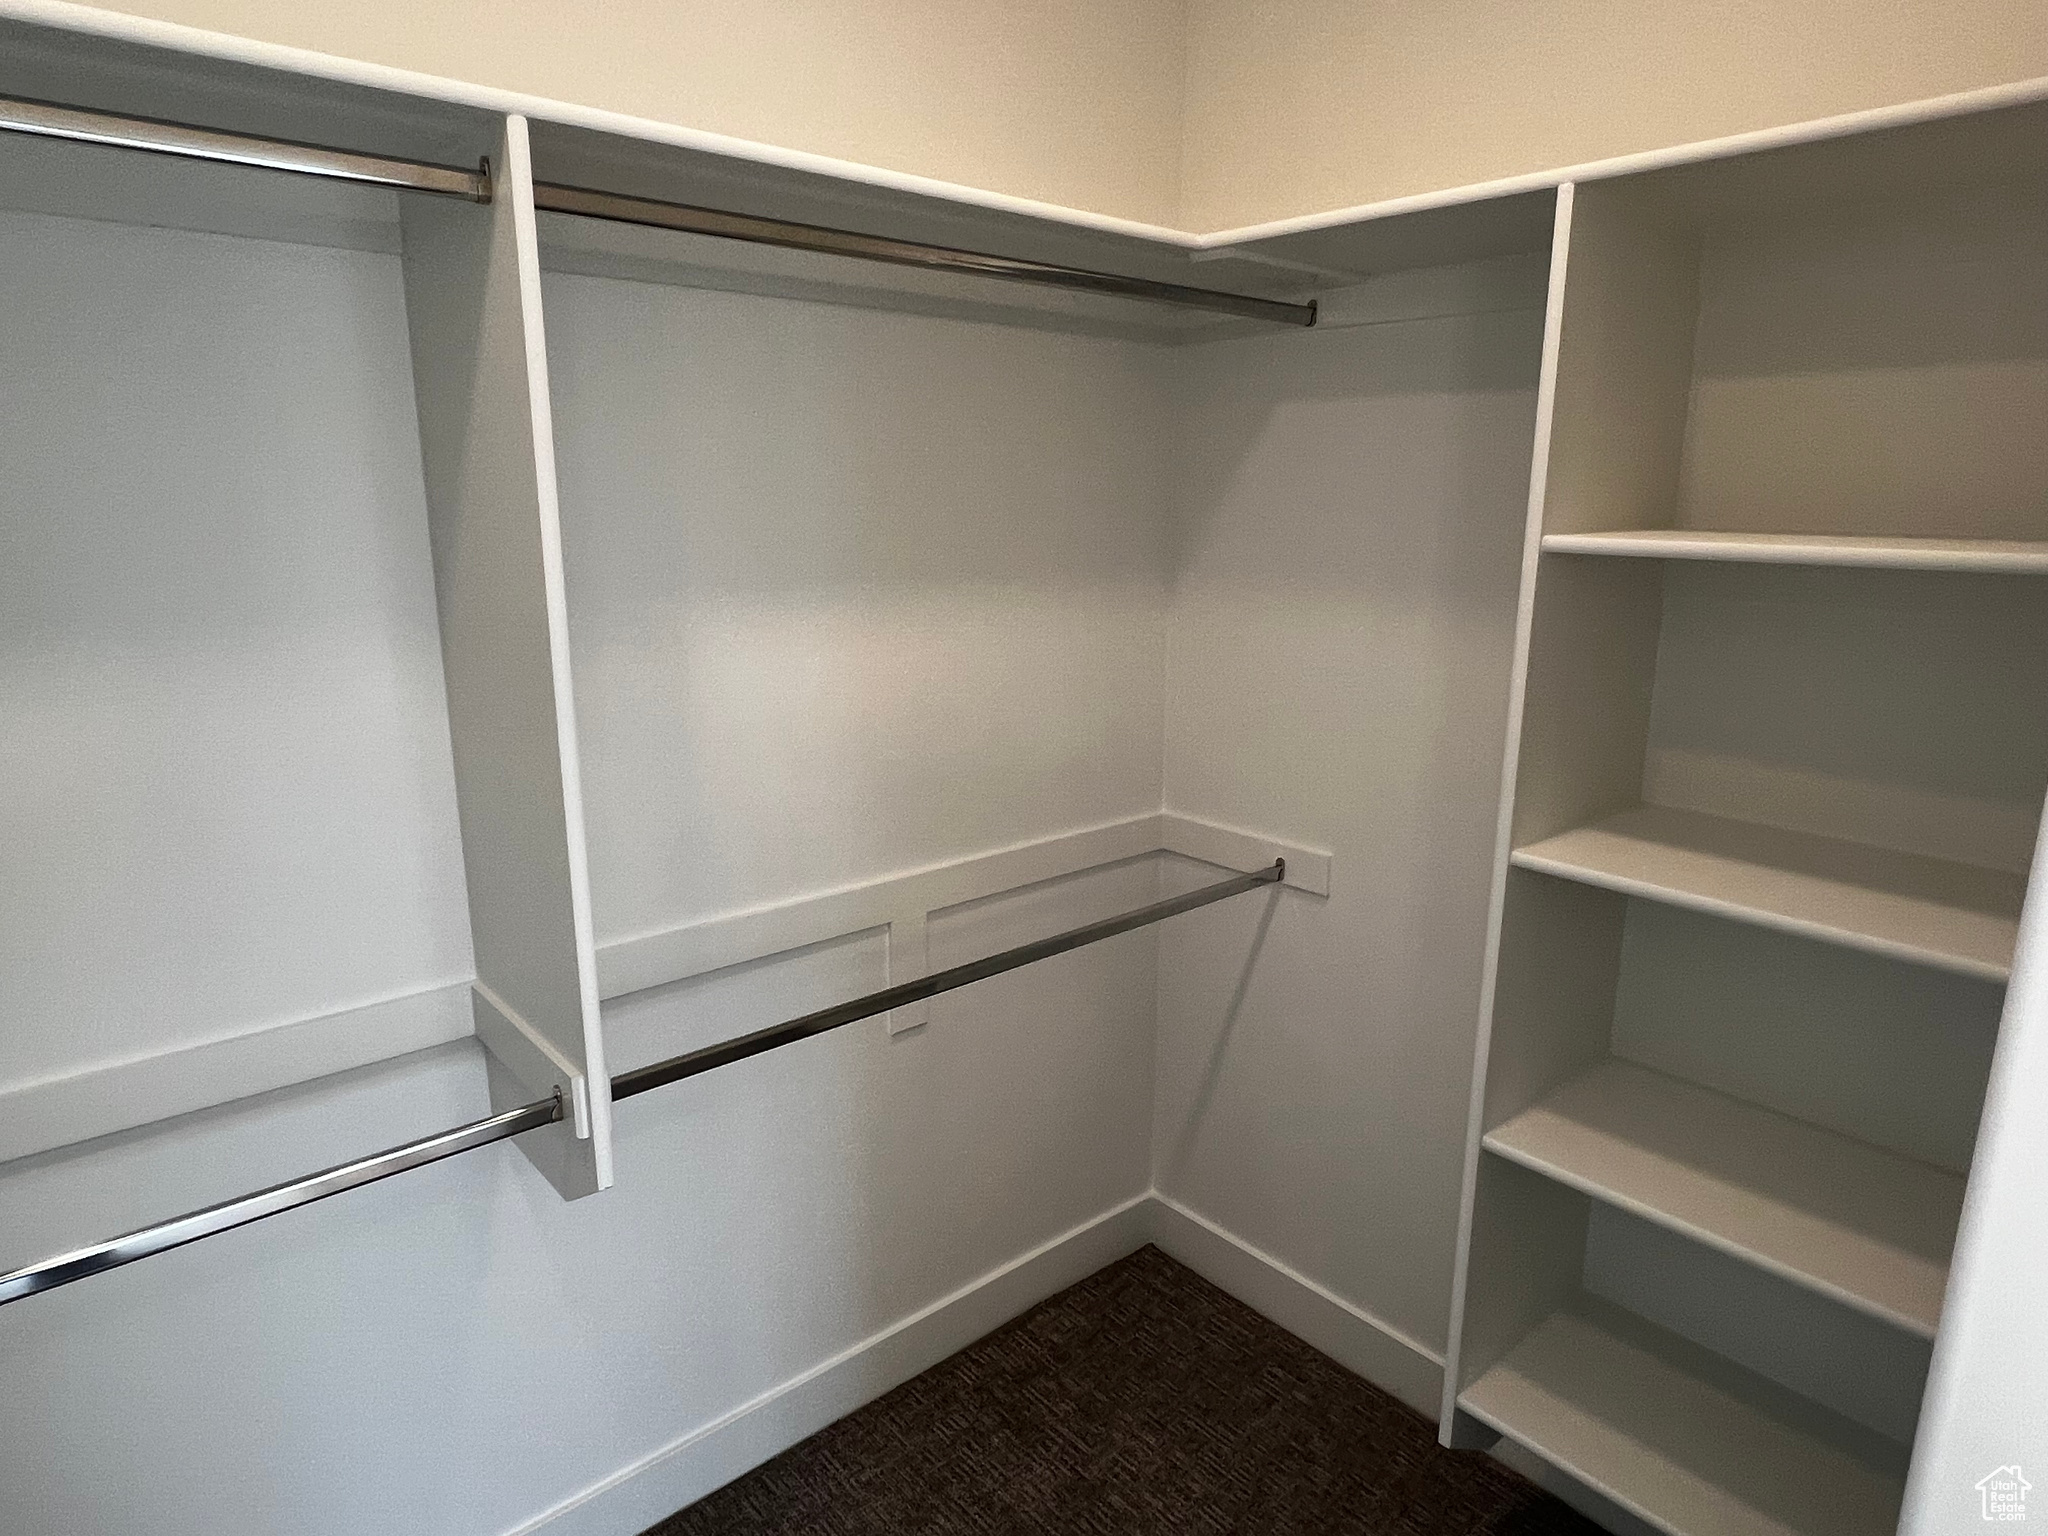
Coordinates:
42 119
690 1063
144 1242
721 224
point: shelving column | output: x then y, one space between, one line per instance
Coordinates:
1775 760
472 286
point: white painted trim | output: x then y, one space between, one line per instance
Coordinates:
1348 1334
119 1096
909 959
899 903
60 15
655 959
100 1100
1194 837
1816 130
683 1471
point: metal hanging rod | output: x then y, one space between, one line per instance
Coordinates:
47 120
690 1063
229 1214
53 122
144 1242
904 253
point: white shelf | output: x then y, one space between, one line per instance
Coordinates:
1694 1447
2010 557
1956 916
1869 1228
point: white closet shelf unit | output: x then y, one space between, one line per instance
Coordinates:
2010 557
1678 1438
1865 1226
1776 764
1936 911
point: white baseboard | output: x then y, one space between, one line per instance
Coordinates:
682 1472
649 1490
1351 1336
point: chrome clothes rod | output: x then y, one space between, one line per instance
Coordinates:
144 1242
229 1214
690 1063
722 225
45 120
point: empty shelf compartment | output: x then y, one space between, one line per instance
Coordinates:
1683 1439
1869 1228
1960 917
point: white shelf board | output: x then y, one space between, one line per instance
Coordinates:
2010 557
1694 1448
1867 1227
1958 917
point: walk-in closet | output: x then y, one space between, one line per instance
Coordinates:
648 785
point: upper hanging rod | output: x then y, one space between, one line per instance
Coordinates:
47 120
64 1268
53 122
904 253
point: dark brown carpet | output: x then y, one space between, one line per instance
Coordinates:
1142 1400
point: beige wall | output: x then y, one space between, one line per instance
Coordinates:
1076 102
1297 106
1289 106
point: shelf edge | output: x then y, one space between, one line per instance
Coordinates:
1715 906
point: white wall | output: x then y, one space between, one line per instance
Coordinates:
225 789
855 591
851 591
1075 102
1349 512
1197 114
1298 106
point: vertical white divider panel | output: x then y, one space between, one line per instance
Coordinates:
472 293
1610 431
1454 1428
